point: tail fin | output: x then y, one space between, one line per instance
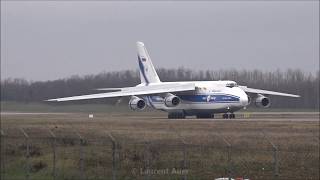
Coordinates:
147 72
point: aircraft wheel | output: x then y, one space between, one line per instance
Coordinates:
225 116
232 116
198 116
205 116
176 115
181 115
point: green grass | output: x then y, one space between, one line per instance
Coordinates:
251 155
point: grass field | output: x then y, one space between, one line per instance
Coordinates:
204 149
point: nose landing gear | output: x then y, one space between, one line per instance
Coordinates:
228 116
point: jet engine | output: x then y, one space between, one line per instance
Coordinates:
137 103
171 100
262 101
249 100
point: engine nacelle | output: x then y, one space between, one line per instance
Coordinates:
249 100
137 103
262 101
171 101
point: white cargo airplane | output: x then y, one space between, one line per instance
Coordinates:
180 99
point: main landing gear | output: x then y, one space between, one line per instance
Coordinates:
228 116
176 115
182 115
205 116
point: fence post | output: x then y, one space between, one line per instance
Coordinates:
229 148
184 158
276 162
184 151
27 153
53 144
275 157
3 155
147 159
114 148
81 156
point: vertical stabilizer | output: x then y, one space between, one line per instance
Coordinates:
147 72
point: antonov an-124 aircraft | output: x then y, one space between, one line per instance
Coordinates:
202 99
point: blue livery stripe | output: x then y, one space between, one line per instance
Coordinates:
218 98
210 98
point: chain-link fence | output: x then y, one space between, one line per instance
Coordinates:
51 154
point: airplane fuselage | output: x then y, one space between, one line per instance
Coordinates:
209 97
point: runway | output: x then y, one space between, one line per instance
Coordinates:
31 113
241 116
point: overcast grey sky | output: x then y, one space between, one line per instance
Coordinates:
50 40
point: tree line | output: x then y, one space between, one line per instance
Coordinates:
290 81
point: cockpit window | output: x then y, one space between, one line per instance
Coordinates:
231 85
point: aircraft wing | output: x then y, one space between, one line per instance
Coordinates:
109 89
261 91
137 90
